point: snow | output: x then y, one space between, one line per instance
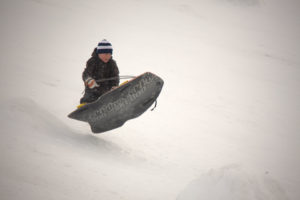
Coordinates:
227 122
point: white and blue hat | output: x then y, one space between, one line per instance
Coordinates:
104 47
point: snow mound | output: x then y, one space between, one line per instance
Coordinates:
46 128
29 113
233 183
244 2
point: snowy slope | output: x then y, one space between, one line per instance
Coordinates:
227 122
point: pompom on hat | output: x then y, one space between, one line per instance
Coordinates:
104 47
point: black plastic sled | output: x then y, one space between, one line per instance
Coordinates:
123 103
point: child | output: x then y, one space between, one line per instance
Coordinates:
99 66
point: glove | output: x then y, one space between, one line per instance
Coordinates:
91 83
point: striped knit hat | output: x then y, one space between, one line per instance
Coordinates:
104 47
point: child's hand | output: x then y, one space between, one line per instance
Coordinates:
91 83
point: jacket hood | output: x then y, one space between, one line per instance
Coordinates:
94 54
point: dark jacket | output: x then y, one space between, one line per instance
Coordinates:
97 69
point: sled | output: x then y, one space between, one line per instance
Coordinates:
114 108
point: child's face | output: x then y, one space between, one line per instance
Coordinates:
105 57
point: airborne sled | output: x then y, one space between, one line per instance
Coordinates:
123 103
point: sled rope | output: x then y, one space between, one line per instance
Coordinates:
115 77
